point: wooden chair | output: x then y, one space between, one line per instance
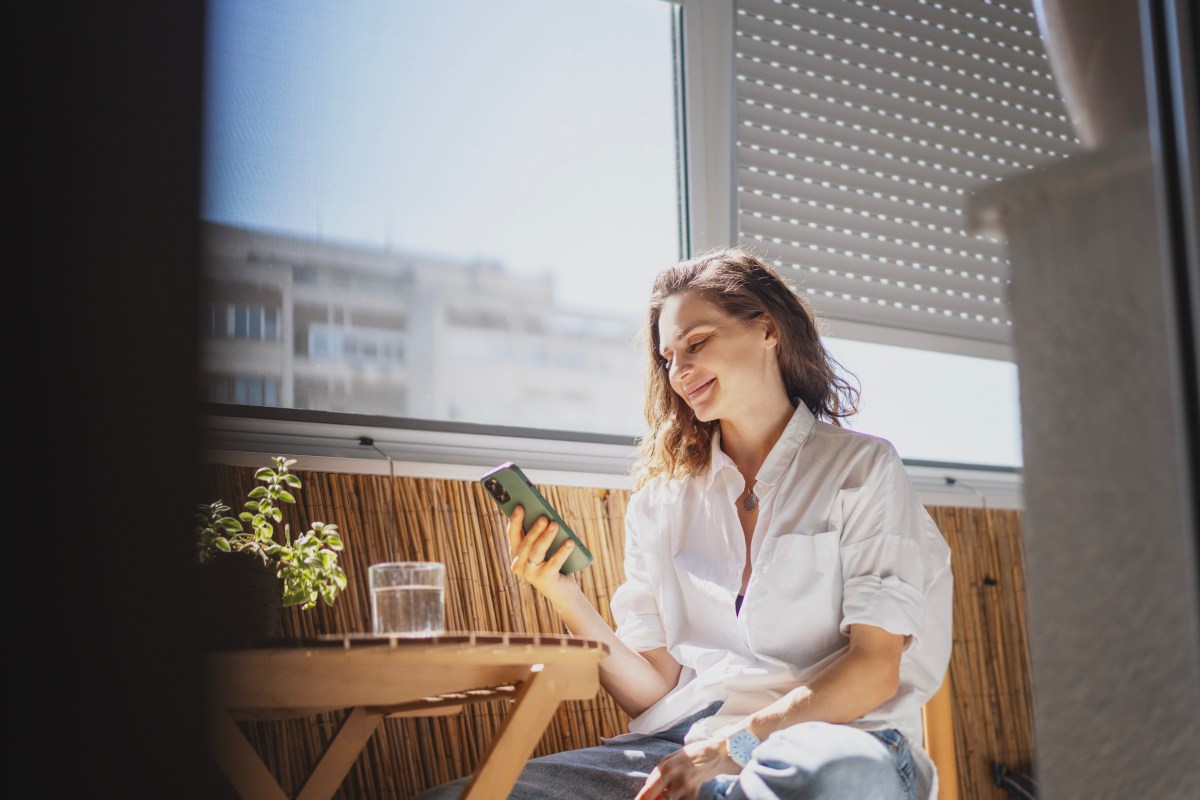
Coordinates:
938 716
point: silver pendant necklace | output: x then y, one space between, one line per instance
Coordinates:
751 501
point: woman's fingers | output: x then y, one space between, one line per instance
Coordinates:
653 788
658 787
540 536
674 778
529 549
516 529
561 555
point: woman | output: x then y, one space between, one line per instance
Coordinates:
787 599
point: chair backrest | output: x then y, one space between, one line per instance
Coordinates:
938 717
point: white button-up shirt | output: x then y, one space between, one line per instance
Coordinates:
841 538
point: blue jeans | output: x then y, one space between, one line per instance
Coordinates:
810 761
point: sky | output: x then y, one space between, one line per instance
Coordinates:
490 151
539 134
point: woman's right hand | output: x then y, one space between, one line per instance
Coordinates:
529 559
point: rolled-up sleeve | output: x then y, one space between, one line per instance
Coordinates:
634 605
884 530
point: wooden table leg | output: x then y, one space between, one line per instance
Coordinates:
341 753
535 704
250 777
239 760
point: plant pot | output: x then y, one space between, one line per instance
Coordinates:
1095 55
241 602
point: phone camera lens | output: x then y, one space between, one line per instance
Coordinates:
497 490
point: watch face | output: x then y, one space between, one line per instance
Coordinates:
741 745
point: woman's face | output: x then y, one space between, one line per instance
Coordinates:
718 364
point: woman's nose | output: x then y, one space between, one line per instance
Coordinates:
679 367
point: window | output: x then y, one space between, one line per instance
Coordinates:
245 390
447 204
237 321
853 134
936 406
452 212
860 130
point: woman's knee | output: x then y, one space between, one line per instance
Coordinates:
819 761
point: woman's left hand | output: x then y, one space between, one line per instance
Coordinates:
680 775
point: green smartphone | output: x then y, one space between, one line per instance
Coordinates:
508 486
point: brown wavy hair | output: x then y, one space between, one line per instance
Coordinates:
745 287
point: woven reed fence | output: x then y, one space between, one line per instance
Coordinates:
990 673
454 522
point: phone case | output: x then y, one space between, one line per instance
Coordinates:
508 486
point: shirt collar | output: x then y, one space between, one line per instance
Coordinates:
781 455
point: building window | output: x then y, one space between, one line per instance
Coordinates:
357 345
246 390
236 321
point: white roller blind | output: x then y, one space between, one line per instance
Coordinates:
861 128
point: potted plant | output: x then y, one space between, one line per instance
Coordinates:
250 574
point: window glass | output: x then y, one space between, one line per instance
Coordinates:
935 406
442 210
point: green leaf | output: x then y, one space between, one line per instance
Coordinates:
307 567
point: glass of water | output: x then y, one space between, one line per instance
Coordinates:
408 598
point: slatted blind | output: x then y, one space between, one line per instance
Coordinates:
861 129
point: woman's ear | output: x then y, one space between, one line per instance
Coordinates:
770 332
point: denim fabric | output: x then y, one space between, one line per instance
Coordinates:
902 755
810 761
616 770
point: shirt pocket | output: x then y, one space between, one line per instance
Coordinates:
817 550
797 598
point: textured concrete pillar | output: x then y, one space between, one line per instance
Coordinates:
1114 628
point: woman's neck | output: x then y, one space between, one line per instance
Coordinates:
749 439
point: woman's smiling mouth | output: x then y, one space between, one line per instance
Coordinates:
694 393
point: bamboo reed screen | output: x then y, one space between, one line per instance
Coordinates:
454 522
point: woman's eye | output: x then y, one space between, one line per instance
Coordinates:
694 346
